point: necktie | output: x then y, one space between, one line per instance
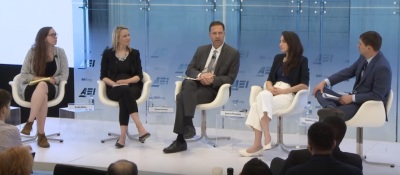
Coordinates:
364 67
210 67
360 76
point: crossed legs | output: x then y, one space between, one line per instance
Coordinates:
39 106
257 145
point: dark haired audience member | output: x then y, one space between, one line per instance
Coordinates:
122 167
9 134
256 166
297 157
321 142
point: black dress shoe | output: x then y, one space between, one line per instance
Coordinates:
175 147
190 132
144 137
330 112
118 145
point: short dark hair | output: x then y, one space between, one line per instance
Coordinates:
256 166
320 136
373 39
5 98
339 127
122 167
216 23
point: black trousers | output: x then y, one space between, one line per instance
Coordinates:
192 94
126 97
30 89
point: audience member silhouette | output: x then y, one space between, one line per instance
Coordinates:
122 167
321 143
256 166
297 157
16 161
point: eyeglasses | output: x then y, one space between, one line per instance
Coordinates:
53 34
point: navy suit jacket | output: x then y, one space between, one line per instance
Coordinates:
324 164
297 157
226 69
375 84
297 75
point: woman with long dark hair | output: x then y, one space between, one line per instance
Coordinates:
43 60
289 74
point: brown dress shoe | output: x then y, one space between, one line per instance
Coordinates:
27 128
42 141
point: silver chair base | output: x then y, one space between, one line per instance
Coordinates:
203 137
284 147
359 150
33 138
116 136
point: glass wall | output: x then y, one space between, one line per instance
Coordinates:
167 33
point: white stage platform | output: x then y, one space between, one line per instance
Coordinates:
82 147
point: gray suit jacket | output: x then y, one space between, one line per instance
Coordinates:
226 69
375 84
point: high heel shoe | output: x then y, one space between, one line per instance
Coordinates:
267 146
118 145
244 153
144 137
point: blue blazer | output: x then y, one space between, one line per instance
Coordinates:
375 84
297 75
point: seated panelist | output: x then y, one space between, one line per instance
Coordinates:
121 70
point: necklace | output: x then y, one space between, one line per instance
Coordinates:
121 57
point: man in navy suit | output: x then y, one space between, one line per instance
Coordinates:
373 80
297 157
212 66
321 142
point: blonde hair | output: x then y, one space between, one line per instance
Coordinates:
19 161
115 37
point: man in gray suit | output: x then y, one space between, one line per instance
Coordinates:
373 80
212 66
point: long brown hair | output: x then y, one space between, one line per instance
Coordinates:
294 53
40 51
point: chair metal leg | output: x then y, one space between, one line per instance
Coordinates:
33 138
359 150
54 135
284 147
203 135
116 136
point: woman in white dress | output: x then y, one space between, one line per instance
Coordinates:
289 74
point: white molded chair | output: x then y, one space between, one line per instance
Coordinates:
220 100
296 107
15 84
105 100
370 114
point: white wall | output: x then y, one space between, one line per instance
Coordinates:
20 20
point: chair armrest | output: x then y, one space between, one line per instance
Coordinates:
178 87
255 90
60 96
146 89
15 92
102 91
370 114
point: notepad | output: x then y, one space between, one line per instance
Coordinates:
329 96
39 80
